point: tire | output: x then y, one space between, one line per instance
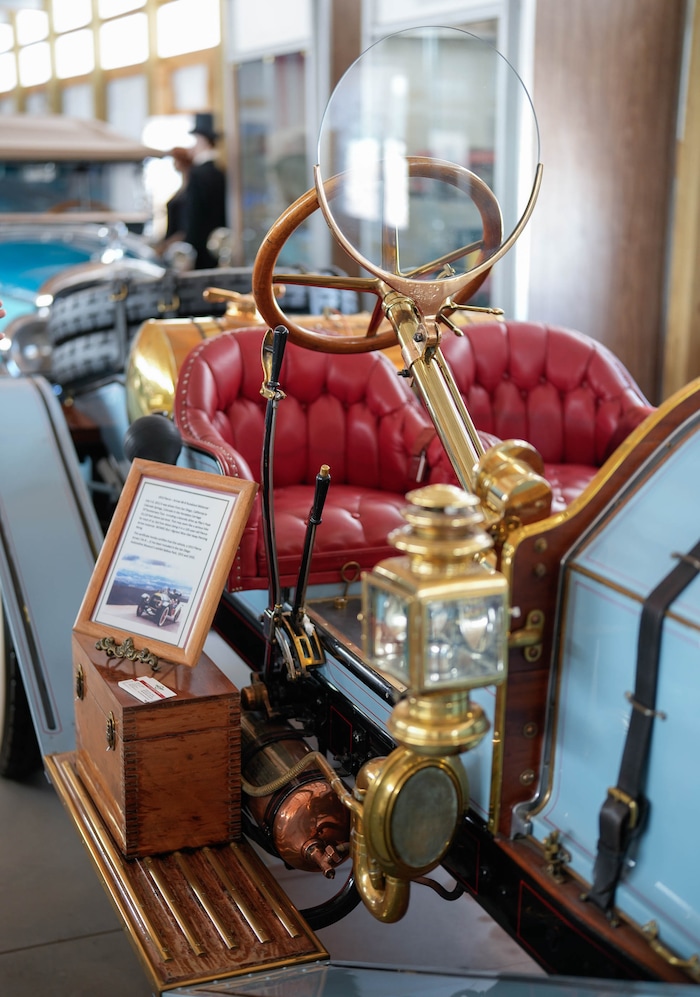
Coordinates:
139 610
163 618
176 617
86 359
20 756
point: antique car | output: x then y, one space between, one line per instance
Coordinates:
73 193
164 606
448 622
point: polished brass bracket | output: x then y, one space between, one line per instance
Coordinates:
126 650
557 857
530 636
690 966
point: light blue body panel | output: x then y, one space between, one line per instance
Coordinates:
606 582
49 539
634 550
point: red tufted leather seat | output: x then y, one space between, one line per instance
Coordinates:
559 390
353 413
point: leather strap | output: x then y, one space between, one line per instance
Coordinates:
623 815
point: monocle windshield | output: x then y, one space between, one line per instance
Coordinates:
424 140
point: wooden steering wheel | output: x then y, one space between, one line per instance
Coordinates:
264 277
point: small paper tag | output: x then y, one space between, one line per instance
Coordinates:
146 689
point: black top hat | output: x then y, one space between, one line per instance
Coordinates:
204 125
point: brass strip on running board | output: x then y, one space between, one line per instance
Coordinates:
109 852
254 923
277 908
196 887
166 894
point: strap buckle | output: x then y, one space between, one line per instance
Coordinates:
620 796
644 710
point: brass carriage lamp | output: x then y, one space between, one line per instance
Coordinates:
436 620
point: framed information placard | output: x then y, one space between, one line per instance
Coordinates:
165 559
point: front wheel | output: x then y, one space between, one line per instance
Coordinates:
20 756
163 618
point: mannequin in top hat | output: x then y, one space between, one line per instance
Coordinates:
206 192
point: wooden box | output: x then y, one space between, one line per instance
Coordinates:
163 775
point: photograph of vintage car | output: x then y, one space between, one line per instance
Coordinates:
164 606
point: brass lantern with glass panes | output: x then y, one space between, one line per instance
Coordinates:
436 620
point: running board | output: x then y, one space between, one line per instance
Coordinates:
193 915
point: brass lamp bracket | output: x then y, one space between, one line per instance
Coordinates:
510 481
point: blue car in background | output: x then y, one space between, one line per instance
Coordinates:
72 201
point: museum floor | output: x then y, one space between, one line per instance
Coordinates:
60 937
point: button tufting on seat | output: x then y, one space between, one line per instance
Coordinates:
350 412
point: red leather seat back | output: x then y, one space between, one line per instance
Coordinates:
352 412
559 390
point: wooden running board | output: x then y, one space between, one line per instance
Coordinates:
193 915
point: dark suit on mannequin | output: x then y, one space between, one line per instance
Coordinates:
206 193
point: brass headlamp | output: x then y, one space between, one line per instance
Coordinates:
436 620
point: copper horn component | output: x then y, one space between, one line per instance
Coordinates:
301 816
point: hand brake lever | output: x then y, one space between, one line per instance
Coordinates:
272 355
299 648
323 480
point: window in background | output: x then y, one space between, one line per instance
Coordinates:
187 26
74 54
124 41
36 103
32 26
71 14
8 72
273 165
112 8
190 87
78 101
34 64
127 104
7 37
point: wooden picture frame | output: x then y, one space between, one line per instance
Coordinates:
165 559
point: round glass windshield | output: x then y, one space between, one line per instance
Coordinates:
423 143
